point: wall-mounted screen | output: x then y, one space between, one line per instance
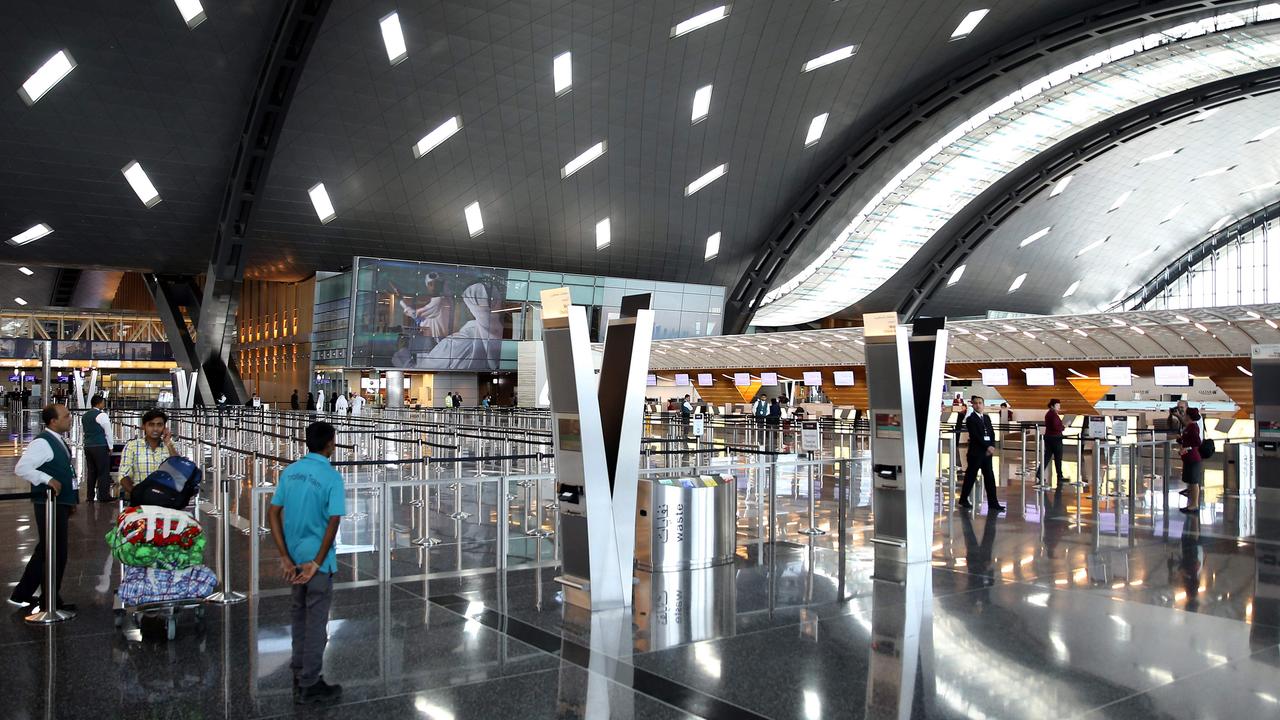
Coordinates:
1115 376
651 381
1172 376
768 379
704 379
993 377
743 379
842 378
1039 377
682 378
812 378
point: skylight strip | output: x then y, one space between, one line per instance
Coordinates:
713 247
1093 246
711 176
834 56
1017 282
1259 188
701 103
956 275
320 201
968 24
141 184
49 74
20 301
393 38
603 235
1035 236
583 160
1061 186
699 21
562 72
1158 156
1264 134
1222 222
31 234
1173 213
475 223
1203 115
1214 172
1120 201
1071 289
26 271
816 126
432 140
192 12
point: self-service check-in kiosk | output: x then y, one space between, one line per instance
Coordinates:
1266 409
904 373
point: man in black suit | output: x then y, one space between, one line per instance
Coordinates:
982 447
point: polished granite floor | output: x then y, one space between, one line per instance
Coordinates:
1063 608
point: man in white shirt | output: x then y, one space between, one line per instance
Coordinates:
97 450
340 405
357 404
46 464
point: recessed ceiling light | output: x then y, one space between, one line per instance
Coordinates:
31 234
49 74
1271 323
700 21
1009 328
1264 134
1182 318
1173 213
26 271
1017 282
713 247
1242 369
1071 289
1138 330
1061 186
961 331
1120 201
967 25
1201 328
583 160
834 56
432 140
981 337
141 184
192 12
603 237
1222 222
701 102
1028 334
320 201
1093 246
955 276
1061 325
1035 236
562 72
711 176
393 38
20 301
816 126
1158 156
1214 172
475 223
1204 115
1080 332
1077 374
1253 314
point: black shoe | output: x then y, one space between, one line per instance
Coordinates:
996 509
321 692
1184 493
1189 510
69 607
22 602
964 504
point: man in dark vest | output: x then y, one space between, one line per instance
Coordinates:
982 447
46 464
97 450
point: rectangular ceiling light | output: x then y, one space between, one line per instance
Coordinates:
20 301
967 25
1120 201
192 12
583 160
475 223
1071 290
834 56
393 38
433 139
1214 172
955 276
1173 213
1205 115
603 236
141 184
1017 282
1158 156
1093 246
699 21
713 247
562 72
1264 134
1035 236
701 102
320 200
1222 222
26 271
49 74
31 234
711 176
1060 186
816 126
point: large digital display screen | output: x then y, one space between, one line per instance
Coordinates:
682 378
994 377
1172 376
1039 377
842 378
743 379
704 380
812 378
768 378
1115 376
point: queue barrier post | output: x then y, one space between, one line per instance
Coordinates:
224 595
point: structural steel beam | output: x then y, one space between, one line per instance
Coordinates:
171 294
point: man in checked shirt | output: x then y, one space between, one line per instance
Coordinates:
143 456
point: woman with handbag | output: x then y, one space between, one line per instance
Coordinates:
1192 463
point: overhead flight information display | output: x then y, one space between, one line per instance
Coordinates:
1115 376
812 379
1039 377
992 377
743 379
842 378
1172 376
704 379
768 379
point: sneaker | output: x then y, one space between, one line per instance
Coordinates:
321 692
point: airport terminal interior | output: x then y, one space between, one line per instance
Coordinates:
631 359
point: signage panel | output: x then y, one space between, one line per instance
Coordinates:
704 379
812 378
994 377
842 378
742 379
768 378
1039 377
1115 376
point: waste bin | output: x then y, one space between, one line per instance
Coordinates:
1238 474
686 523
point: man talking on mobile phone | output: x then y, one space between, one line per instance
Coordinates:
306 508
143 456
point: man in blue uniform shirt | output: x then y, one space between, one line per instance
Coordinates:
306 508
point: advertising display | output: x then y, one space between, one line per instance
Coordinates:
842 378
1172 376
1039 377
812 378
742 379
1115 376
994 377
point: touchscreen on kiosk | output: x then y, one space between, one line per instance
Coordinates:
812 379
992 377
768 379
842 378
704 379
1039 377
1172 376
1115 376
742 379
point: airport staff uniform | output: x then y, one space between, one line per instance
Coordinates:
1053 429
97 454
981 437
47 458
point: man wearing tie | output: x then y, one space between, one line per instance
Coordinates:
982 447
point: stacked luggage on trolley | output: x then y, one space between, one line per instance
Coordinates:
161 548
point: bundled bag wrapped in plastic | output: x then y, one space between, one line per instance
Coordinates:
172 485
151 585
151 536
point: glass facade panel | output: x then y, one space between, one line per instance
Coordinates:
1236 273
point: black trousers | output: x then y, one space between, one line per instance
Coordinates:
33 576
1052 449
97 472
972 464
